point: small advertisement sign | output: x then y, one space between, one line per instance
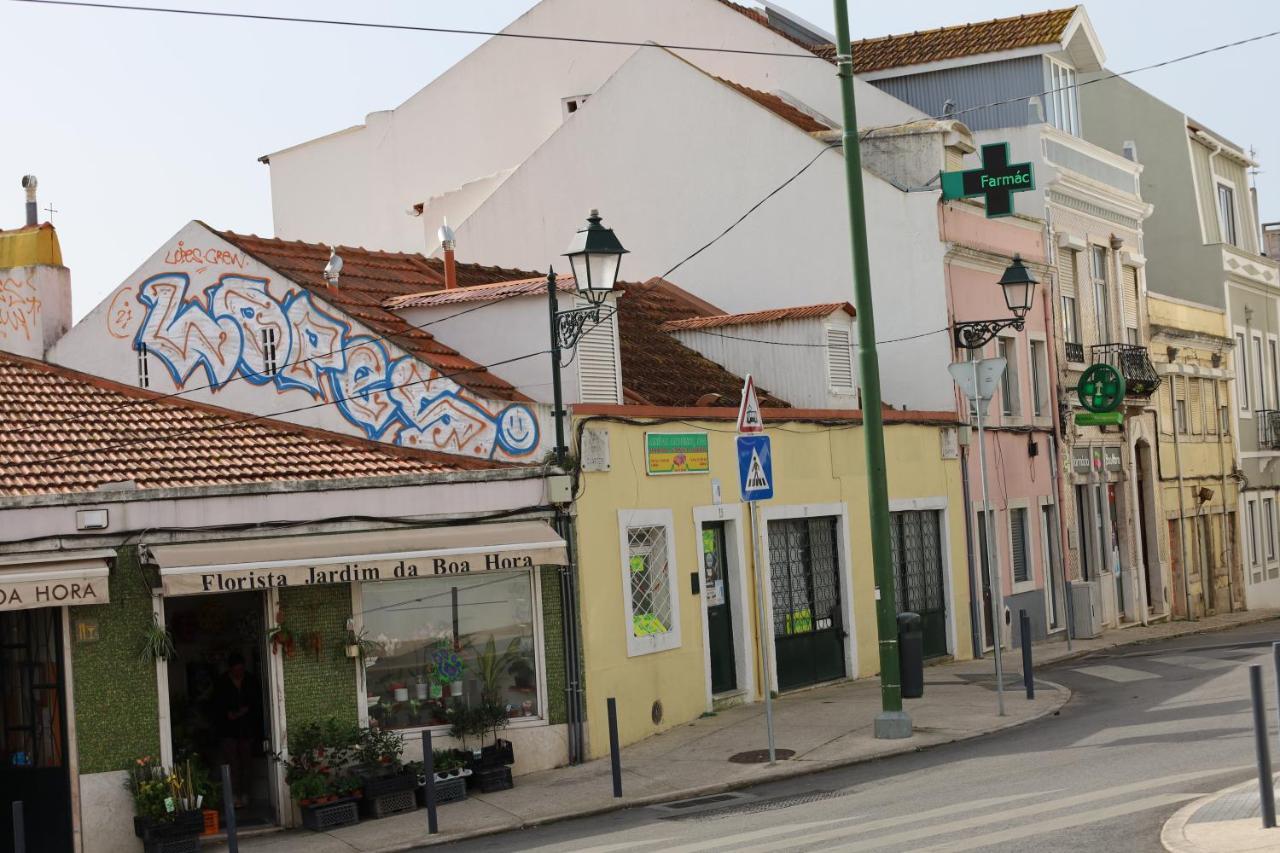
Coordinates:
676 453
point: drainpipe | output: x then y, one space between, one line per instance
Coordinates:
1050 304
1228 540
1182 509
1057 487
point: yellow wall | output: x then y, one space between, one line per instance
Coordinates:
813 464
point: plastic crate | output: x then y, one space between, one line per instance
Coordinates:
182 826
378 786
176 845
330 815
210 822
389 804
493 779
447 790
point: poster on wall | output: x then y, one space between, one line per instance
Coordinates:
676 453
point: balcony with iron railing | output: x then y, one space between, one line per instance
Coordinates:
1133 362
1268 423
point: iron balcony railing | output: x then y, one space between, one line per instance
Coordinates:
1268 421
1133 363
1075 352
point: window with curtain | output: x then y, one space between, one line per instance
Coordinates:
1039 378
446 643
1007 348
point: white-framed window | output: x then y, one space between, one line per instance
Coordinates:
1259 374
1020 553
1179 387
840 361
1007 348
1062 97
144 367
1039 378
1227 214
270 357
1067 287
1269 527
651 600
1274 387
1242 372
1101 299
1253 532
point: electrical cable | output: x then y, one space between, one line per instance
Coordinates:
122 7
854 345
252 418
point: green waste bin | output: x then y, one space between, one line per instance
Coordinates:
910 655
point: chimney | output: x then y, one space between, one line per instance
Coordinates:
29 184
447 242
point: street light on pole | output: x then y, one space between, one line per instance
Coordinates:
978 378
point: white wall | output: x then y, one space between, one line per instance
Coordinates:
490 110
202 319
35 308
669 174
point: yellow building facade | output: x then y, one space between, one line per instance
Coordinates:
1200 494
667 572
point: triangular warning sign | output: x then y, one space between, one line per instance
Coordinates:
749 419
756 480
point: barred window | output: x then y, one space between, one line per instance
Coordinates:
270 363
653 617
1018 534
144 367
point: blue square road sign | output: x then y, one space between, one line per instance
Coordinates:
755 467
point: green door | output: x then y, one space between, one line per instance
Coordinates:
917 561
724 675
808 626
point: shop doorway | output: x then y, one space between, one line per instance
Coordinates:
808 626
218 694
33 729
724 675
917 564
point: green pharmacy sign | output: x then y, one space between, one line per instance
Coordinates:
1101 388
997 180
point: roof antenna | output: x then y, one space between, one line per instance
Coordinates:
333 269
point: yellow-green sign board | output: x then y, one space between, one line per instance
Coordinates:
676 453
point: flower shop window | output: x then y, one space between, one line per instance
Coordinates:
434 645
650 597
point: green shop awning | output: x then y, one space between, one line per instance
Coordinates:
365 556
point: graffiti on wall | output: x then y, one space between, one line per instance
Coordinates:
237 330
19 307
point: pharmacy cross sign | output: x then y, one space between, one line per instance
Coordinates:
997 180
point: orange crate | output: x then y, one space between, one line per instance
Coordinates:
210 822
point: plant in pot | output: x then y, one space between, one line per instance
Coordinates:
317 771
166 802
378 757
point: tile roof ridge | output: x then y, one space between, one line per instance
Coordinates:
1043 13
240 418
695 302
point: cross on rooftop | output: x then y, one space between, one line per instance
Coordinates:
51 211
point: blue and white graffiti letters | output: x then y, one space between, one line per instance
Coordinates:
236 328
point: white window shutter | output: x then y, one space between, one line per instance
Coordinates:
840 360
1130 297
1067 272
597 356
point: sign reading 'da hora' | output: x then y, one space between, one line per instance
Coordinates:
27 594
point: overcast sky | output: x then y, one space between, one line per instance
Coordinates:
136 123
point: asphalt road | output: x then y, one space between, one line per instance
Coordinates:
1147 729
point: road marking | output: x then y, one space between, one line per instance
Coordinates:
1042 826
1194 726
899 839
1116 673
1197 662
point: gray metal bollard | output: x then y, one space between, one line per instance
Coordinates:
429 765
229 810
1028 675
19 829
615 756
1266 785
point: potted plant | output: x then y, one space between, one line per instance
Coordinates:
157 643
449 777
317 771
282 637
166 803
388 786
399 691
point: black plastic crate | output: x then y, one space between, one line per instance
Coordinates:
447 790
492 779
175 845
184 825
330 815
378 786
389 804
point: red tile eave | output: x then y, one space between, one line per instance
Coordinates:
725 413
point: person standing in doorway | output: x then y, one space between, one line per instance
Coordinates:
237 707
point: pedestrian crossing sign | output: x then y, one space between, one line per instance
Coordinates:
755 467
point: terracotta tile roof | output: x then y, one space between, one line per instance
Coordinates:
65 431
976 39
657 369
801 312
369 278
479 293
824 50
780 108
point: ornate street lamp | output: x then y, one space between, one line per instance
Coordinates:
595 255
1019 287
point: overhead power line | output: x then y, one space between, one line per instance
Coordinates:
372 25
853 345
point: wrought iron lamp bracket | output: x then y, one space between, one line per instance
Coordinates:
978 333
573 324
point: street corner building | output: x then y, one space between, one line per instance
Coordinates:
344 575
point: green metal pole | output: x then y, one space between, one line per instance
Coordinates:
892 721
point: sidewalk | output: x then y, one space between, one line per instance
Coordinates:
1229 821
827 727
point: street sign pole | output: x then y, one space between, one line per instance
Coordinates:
993 552
764 633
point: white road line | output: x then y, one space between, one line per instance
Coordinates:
709 843
1116 673
1197 662
1192 727
899 839
1042 826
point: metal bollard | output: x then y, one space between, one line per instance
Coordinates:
1266 786
1275 652
615 757
19 829
229 810
1028 676
429 765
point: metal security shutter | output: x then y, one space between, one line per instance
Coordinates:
917 563
598 364
1130 297
1018 530
1196 406
1166 406
1067 272
840 360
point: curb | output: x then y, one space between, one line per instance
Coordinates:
1172 834
782 773
1195 632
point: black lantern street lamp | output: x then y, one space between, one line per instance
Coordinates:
1019 287
594 255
